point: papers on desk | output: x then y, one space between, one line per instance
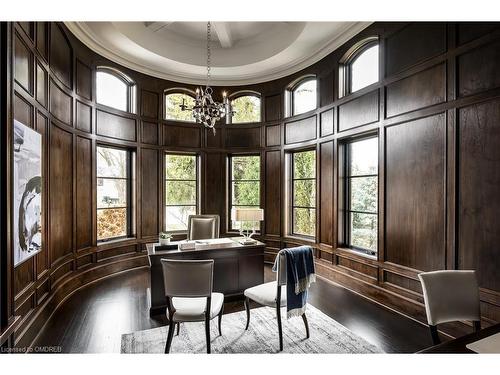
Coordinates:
488 345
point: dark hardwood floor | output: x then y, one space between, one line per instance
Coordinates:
93 319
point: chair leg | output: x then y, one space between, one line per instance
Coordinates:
207 333
171 328
247 308
220 320
280 331
178 328
477 325
434 335
304 318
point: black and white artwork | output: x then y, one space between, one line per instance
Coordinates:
27 192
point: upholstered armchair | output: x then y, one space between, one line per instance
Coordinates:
202 227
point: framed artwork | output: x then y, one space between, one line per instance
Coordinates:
27 191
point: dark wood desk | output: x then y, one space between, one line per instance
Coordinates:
236 267
458 345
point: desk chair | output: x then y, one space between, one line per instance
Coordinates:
202 227
272 294
450 296
188 288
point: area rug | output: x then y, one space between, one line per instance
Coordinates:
326 336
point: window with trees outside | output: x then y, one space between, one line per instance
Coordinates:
114 90
303 96
114 192
360 68
173 110
361 177
246 108
181 190
303 193
244 186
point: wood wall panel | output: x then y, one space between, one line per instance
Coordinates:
273 135
413 44
326 193
327 125
23 64
83 117
42 44
83 80
415 201
150 203
23 111
41 85
61 104
23 276
84 195
244 137
61 204
479 69
300 130
60 55
181 136
115 126
149 133
467 31
326 88
273 107
273 193
42 258
479 198
361 111
149 104
214 184
418 91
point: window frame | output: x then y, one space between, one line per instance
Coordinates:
239 94
230 189
130 179
346 196
164 191
177 90
290 94
131 88
345 65
291 196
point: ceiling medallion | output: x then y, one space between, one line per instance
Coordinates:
206 110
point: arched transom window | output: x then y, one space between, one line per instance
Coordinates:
360 66
173 102
114 89
246 108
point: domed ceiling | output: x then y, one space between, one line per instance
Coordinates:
242 52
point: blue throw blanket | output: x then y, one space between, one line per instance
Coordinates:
300 274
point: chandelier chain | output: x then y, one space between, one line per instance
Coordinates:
209 52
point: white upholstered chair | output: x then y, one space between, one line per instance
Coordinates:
188 288
203 227
272 294
450 296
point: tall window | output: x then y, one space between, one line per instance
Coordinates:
115 90
181 190
245 108
244 185
301 97
303 193
361 177
173 110
360 68
114 192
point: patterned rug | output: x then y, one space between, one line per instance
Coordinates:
326 336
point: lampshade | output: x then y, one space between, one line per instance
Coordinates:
247 214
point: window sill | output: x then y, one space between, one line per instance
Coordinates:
119 241
357 253
300 239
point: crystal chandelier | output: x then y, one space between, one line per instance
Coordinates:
206 110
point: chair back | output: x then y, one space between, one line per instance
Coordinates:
450 296
202 227
188 278
281 275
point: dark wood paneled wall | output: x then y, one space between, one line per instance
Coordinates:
435 109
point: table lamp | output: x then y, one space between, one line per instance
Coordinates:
252 215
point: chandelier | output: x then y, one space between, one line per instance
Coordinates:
206 110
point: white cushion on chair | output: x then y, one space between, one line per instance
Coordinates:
193 309
265 294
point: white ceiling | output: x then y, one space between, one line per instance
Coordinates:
242 52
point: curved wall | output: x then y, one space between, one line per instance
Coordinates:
430 86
